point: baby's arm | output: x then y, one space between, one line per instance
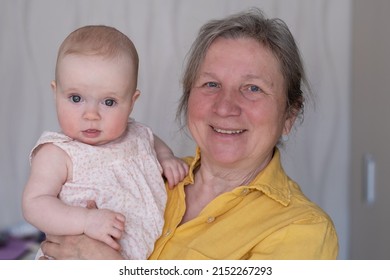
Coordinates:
174 168
43 209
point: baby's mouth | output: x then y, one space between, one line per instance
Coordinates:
91 132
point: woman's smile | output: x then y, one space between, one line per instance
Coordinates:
228 131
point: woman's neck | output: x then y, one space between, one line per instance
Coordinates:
224 178
212 180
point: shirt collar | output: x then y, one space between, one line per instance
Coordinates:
273 181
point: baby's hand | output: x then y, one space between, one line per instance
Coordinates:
174 169
105 225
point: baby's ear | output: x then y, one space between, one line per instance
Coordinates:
134 98
53 85
136 94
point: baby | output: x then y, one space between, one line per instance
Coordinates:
101 154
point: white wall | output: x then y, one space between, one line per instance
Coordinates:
31 31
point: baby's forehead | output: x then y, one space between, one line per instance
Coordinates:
121 59
76 67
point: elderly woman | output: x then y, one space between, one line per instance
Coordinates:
242 94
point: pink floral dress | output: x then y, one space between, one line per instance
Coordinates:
123 176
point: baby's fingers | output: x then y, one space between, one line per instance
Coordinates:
121 218
183 170
169 175
177 174
119 224
111 242
116 232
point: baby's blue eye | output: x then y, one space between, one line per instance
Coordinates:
109 102
75 98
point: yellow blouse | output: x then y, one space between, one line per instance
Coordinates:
268 219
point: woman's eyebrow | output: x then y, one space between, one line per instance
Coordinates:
267 82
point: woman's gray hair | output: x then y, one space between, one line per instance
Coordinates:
272 33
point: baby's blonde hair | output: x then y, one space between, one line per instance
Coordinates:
99 40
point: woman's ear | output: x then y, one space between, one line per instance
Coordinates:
289 122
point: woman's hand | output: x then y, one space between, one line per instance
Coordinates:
77 247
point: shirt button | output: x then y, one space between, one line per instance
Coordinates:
210 220
244 192
167 233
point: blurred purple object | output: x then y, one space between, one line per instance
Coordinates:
13 249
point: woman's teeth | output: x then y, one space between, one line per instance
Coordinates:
224 131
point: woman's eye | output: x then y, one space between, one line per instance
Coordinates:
252 92
211 84
109 102
75 98
253 88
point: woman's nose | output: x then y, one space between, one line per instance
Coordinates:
227 103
